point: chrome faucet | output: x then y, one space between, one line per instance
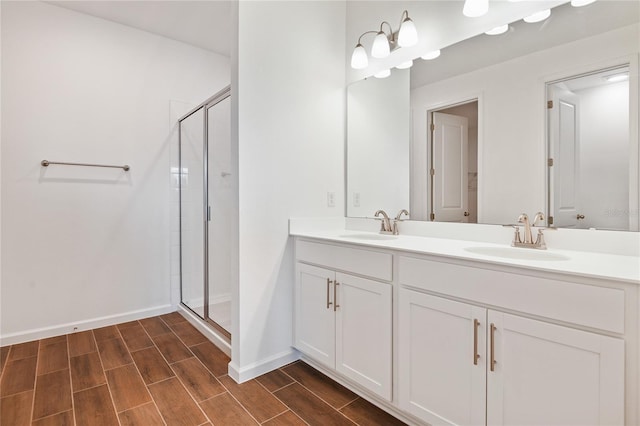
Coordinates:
528 242
385 226
397 219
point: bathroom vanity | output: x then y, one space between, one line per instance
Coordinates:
450 331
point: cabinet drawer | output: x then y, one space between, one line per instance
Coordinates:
590 306
362 262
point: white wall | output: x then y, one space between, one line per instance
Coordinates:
512 144
290 99
604 156
87 246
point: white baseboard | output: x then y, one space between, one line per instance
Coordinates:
256 369
208 332
88 324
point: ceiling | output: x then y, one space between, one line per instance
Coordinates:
205 24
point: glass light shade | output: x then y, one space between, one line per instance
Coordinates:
431 55
538 16
407 35
382 74
498 30
475 8
580 3
405 65
380 48
359 58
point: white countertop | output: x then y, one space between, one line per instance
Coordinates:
578 263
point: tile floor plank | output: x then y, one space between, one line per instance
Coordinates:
19 376
53 357
106 333
15 410
258 401
136 338
197 379
125 325
127 388
93 407
287 418
152 365
309 407
175 404
171 347
172 318
23 350
144 415
60 419
154 326
86 371
4 354
113 353
213 358
224 410
81 343
188 333
363 412
52 394
331 392
274 380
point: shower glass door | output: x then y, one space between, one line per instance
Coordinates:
206 201
192 211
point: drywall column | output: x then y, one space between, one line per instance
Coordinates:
290 99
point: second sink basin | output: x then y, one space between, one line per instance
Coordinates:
517 253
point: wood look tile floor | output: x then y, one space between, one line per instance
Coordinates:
162 371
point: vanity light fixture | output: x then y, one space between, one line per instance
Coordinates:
580 3
475 8
384 43
382 74
537 17
431 55
614 78
498 30
405 65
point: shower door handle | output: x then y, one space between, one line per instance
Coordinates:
208 213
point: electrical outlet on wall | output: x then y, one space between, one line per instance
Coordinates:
356 199
331 199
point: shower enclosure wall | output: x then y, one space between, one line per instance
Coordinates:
205 211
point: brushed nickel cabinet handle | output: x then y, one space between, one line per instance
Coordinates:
328 289
335 295
492 360
476 355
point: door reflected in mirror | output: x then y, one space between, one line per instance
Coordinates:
591 159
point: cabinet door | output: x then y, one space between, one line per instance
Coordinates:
547 374
363 332
441 378
314 315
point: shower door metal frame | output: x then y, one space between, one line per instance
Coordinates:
204 106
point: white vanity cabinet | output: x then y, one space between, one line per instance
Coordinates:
344 321
464 363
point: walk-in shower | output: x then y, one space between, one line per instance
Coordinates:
206 199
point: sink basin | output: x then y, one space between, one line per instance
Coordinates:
371 237
516 253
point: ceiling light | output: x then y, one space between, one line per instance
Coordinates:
382 74
359 58
385 42
580 3
498 30
538 16
405 65
431 55
614 78
475 8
